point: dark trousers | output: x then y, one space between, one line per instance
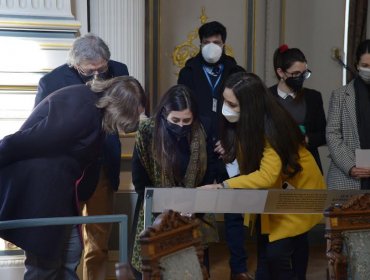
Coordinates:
234 234
284 259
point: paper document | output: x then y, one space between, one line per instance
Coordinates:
363 158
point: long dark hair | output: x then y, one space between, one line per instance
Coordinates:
177 98
362 48
261 119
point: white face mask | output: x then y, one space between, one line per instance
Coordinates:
364 73
230 114
211 52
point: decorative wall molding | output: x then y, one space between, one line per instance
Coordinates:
121 24
272 39
37 15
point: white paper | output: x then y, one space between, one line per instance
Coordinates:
232 169
363 158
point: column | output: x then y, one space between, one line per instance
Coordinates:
121 24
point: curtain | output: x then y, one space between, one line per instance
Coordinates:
356 31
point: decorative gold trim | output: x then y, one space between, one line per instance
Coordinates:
127 135
126 156
42 24
18 88
54 46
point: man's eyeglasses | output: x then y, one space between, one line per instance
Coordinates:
304 75
91 72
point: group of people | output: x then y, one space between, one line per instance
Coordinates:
65 159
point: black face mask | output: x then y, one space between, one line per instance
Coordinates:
176 130
295 83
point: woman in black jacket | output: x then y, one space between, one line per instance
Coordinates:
304 105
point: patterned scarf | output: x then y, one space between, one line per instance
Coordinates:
161 178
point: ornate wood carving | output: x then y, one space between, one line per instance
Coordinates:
353 215
170 232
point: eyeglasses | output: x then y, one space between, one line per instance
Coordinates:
305 74
91 72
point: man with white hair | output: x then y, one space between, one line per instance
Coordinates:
89 58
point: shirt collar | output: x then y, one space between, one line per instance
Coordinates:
284 95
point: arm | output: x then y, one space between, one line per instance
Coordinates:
112 159
210 175
140 177
316 136
268 175
186 78
42 91
340 153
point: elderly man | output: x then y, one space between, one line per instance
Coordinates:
89 58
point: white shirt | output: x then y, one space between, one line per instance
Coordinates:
284 95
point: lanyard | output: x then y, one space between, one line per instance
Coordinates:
213 87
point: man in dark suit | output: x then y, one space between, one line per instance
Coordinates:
89 58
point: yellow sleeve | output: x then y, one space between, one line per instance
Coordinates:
268 175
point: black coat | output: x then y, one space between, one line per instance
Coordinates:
314 121
193 76
41 163
63 76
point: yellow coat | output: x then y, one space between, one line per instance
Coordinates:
280 226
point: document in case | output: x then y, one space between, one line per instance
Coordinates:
363 158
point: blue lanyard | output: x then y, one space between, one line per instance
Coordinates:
213 87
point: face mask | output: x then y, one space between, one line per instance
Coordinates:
211 52
364 74
295 83
230 114
176 130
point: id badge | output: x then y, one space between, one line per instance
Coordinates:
214 105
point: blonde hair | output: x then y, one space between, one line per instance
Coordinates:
121 98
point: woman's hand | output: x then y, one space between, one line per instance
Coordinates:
219 149
358 172
211 187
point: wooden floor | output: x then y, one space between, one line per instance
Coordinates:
220 268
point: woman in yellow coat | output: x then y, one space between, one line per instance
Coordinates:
270 150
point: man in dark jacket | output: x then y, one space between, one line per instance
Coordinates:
89 58
205 75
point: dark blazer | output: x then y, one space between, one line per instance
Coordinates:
315 121
65 76
42 162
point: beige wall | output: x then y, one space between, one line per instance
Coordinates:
178 18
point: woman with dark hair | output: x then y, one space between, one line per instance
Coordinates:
270 150
348 127
53 161
304 105
173 149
